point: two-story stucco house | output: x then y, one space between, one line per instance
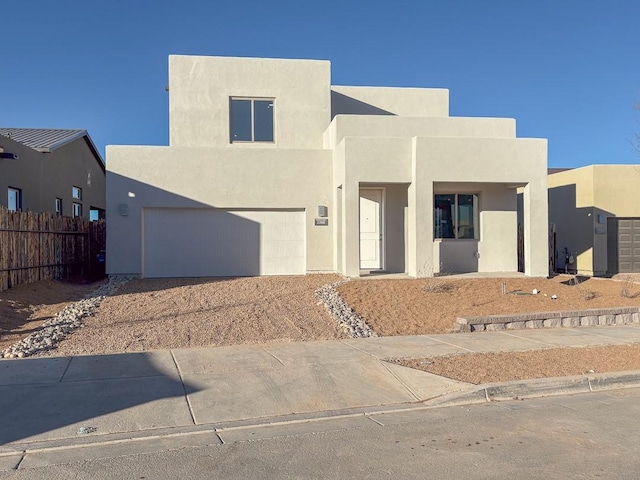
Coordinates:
272 170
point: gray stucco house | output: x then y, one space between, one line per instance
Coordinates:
51 170
272 170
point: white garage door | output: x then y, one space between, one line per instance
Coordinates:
200 242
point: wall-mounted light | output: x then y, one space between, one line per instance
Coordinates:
11 156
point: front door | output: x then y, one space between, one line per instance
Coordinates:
371 228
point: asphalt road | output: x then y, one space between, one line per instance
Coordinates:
593 435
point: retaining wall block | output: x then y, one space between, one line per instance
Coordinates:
514 325
588 321
552 322
619 319
571 322
627 318
495 326
606 319
635 317
477 328
533 324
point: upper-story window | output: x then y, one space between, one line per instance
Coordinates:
76 193
251 120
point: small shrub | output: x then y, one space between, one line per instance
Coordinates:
589 294
627 288
435 285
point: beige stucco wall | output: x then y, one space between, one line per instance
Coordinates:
576 199
44 176
400 101
200 89
495 249
218 178
487 161
406 127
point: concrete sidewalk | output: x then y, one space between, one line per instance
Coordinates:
51 403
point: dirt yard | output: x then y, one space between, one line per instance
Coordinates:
555 362
181 313
25 307
428 306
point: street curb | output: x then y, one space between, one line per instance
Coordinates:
542 387
67 450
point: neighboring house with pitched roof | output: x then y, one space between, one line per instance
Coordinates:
272 170
51 170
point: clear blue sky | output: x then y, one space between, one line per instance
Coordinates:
567 70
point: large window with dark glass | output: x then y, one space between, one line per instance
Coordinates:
455 215
251 120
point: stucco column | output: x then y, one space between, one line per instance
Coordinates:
536 229
351 229
420 220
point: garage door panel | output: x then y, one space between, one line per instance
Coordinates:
626 244
213 242
276 266
282 231
283 249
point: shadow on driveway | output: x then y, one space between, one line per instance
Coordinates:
67 397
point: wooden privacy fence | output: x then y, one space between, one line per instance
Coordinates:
45 246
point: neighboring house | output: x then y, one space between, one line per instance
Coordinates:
51 170
596 212
272 170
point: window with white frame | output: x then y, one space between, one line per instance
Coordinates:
76 209
251 119
14 202
59 206
455 215
76 193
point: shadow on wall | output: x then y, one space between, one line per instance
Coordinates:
181 237
577 228
66 397
345 105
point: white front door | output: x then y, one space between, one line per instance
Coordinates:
370 229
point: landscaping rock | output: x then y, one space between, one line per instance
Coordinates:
351 323
64 323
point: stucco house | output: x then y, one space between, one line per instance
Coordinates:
51 170
596 212
270 169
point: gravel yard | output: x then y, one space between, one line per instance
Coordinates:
181 313
153 314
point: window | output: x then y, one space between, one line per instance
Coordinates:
76 210
76 193
251 120
59 206
455 216
15 199
96 213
